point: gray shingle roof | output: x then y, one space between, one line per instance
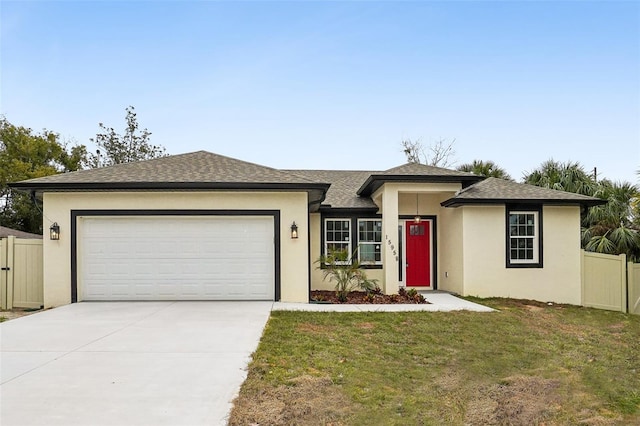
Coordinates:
193 171
494 191
415 169
343 189
200 166
413 172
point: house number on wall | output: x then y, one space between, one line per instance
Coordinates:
391 246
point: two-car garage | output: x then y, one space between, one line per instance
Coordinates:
175 257
194 226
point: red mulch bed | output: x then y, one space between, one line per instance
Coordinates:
361 298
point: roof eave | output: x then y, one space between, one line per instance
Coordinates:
376 181
457 202
133 186
317 191
329 208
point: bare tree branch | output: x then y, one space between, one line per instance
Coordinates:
439 153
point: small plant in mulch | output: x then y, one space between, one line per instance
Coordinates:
343 268
394 298
369 297
319 298
361 297
414 295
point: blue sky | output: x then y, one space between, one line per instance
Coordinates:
335 85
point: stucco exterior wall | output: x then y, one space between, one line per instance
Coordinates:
428 203
450 252
316 275
292 206
485 272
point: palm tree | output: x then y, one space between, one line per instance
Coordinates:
569 176
612 228
485 168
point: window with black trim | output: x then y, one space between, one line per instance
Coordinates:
523 238
370 241
337 235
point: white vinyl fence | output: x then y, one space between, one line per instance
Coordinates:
21 273
609 282
633 271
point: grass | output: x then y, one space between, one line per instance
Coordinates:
529 363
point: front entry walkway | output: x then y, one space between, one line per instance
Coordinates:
127 363
438 302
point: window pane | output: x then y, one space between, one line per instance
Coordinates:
367 253
337 246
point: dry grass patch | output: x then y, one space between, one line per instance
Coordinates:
306 400
522 400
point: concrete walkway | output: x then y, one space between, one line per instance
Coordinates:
439 302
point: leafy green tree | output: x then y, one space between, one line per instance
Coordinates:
26 155
485 168
132 145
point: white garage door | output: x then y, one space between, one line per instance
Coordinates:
176 258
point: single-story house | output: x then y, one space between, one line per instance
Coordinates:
201 226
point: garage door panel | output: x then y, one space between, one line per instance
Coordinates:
177 258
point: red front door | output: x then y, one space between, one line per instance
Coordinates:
418 267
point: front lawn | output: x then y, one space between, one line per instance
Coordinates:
527 364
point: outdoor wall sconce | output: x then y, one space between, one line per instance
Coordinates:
54 231
294 231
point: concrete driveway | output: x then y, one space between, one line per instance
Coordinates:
132 363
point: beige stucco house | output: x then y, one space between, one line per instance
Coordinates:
201 226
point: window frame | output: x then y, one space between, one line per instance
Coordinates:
537 261
325 243
351 215
373 243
